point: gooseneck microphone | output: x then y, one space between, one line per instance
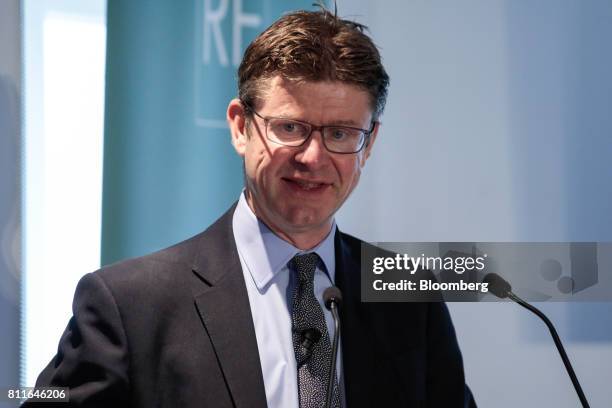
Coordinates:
333 299
502 289
309 338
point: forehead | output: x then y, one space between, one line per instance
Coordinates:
319 102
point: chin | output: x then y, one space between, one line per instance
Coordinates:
306 220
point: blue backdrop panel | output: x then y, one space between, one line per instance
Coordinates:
169 167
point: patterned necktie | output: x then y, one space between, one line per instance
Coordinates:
313 355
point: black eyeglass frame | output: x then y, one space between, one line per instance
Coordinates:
266 119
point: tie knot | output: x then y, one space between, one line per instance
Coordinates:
305 266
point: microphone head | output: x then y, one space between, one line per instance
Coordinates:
332 294
310 337
497 285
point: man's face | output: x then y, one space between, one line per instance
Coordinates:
297 190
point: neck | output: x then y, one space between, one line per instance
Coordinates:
303 239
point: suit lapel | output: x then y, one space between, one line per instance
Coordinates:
355 347
223 305
369 380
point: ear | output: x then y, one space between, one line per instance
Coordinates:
368 149
236 120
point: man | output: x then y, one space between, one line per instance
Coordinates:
221 319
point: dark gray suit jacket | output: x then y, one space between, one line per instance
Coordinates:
174 329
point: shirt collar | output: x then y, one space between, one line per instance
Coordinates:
265 254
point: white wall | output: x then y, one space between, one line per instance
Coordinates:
496 130
64 68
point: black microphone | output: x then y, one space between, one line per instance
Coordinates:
502 289
309 338
333 299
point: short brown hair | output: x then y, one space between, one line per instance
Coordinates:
314 46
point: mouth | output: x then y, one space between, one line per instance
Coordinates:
306 185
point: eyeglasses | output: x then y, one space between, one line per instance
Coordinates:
294 133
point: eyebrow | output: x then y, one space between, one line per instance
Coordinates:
349 122
346 123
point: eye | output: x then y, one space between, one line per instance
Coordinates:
285 129
289 127
343 134
339 134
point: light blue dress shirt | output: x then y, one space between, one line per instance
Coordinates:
270 283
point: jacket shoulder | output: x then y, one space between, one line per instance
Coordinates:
171 262
163 263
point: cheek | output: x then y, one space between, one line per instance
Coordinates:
262 164
255 154
349 171
356 176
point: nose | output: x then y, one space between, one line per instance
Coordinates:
313 152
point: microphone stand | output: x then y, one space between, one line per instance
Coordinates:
560 348
332 369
